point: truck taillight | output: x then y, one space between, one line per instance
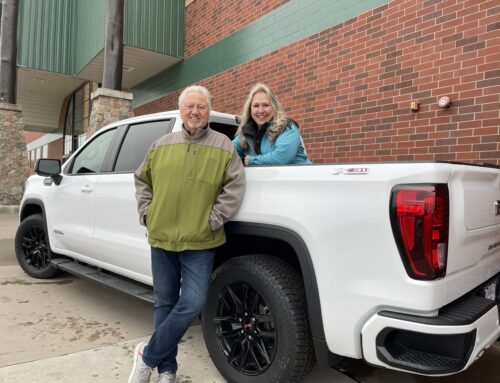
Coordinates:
419 217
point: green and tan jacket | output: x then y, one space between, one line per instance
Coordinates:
186 189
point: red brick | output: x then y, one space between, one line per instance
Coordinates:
469 140
460 61
206 22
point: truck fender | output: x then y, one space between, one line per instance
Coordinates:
32 206
294 240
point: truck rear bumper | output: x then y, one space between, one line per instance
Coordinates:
440 345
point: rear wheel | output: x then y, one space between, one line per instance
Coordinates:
255 321
32 248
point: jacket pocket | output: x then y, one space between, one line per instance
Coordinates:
195 229
194 223
208 165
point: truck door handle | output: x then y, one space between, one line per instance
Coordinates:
86 189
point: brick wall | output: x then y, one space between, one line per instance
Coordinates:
32 136
207 22
56 149
350 86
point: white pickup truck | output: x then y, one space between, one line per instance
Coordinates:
394 263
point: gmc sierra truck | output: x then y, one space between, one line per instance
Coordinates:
394 263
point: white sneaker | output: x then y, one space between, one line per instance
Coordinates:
166 377
141 372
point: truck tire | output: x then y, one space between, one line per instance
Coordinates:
32 248
255 322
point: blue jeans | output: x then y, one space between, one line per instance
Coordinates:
175 310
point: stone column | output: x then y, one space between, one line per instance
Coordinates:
109 106
13 155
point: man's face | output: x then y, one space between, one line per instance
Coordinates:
194 111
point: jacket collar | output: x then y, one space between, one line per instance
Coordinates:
198 134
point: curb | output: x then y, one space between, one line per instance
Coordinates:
11 209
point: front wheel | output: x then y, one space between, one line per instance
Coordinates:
32 248
255 321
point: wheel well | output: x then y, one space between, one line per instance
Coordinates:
241 244
245 238
30 209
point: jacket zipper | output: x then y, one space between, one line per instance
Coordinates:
186 169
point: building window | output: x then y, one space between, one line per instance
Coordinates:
76 123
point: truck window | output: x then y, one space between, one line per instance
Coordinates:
137 141
91 158
227 129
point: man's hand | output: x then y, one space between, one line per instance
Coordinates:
247 160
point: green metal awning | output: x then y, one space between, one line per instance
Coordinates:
61 42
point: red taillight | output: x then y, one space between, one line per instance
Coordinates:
419 215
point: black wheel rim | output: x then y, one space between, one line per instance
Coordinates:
245 328
34 245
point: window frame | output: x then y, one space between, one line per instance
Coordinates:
69 123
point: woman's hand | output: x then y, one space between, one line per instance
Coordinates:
247 160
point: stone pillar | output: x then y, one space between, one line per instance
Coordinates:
109 106
13 155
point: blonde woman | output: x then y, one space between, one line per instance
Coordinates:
266 136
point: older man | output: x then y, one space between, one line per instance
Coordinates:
190 183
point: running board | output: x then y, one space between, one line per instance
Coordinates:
108 280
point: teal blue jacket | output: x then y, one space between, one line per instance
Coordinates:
287 148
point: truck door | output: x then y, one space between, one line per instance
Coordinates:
73 200
120 240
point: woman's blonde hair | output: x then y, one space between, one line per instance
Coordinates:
279 121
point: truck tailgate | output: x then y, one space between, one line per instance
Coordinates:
474 236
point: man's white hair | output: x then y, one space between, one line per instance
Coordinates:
196 89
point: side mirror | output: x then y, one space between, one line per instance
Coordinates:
49 168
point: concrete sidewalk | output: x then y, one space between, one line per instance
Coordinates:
113 364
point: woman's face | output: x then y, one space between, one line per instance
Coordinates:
261 109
